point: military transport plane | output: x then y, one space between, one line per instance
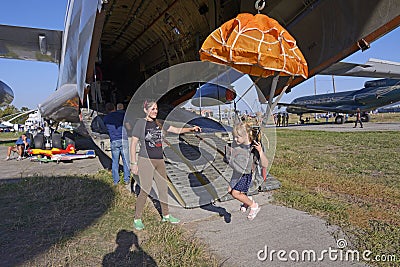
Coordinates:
375 94
115 46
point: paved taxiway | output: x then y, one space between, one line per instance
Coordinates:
347 127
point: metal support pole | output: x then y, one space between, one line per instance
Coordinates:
271 96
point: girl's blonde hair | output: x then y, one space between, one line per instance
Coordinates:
148 103
241 129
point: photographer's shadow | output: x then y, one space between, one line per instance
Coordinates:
124 256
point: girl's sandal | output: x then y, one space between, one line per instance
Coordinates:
253 212
244 207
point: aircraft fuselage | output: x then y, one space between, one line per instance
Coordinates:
375 94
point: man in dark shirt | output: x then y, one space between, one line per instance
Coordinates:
114 122
358 118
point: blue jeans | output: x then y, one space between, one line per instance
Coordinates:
120 147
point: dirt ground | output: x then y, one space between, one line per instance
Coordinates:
13 170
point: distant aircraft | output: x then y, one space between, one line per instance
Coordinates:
375 94
390 108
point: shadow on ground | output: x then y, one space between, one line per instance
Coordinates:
86 143
39 212
124 256
7 142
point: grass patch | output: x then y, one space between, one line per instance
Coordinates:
84 221
385 117
8 138
350 179
9 135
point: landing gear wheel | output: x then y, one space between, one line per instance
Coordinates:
365 118
56 140
38 141
339 119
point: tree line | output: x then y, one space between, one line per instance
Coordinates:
9 111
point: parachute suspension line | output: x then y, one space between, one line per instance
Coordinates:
200 98
251 86
282 92
241 96
219 83
274 84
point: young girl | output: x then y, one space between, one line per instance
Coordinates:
150 163
242 158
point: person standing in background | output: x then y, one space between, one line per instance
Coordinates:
358 118
114 122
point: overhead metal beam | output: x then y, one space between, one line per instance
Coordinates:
145 30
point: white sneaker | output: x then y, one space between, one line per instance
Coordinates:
7 158
19 158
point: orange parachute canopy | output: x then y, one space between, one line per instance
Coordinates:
256 45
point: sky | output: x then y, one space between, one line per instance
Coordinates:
32 82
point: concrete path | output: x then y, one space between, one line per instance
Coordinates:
346 127
239 242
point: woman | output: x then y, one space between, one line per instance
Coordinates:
150 163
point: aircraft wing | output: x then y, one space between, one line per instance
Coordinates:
374 68
300 109
6 94
30 43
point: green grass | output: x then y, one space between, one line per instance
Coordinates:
385 117
9 135
8 138
84 221
350 179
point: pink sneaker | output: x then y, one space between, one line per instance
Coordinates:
253 212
